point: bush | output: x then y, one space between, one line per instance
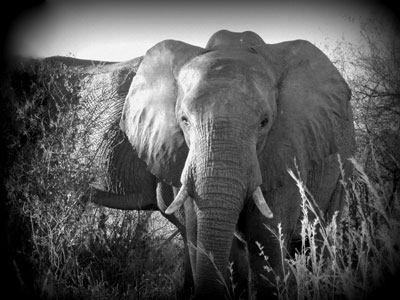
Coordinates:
73 250
355 256
65 249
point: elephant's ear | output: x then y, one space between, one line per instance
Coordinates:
148 118
313 108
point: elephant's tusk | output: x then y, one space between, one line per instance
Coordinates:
178 201
261 203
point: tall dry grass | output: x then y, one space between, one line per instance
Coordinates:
356 254
77 251
63 248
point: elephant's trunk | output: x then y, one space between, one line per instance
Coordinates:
216 221
221 181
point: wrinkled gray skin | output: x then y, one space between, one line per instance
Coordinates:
224 124
219 125
122 180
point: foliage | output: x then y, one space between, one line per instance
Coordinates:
80 251
356 255
351 257
75 250
372 71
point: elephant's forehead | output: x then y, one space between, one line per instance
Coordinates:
226 64
224 86
227 71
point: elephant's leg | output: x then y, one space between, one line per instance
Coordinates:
265 267
325 184
241 268
264 278
165 195
188 283
285 204
191 240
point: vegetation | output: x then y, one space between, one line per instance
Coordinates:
352 257
357 255
74 250
62 248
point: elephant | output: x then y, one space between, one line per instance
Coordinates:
96 91
207 136
222 125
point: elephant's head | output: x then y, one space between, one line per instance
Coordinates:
225 121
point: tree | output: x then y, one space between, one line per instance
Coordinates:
372 70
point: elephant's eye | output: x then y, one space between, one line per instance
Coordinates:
264 123
185 120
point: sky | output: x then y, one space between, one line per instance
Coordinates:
120 30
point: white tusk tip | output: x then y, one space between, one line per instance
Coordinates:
178 201
262 204
169 211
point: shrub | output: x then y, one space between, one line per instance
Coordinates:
354 256
75 251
